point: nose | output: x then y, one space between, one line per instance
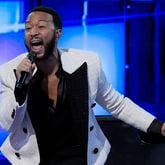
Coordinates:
34 31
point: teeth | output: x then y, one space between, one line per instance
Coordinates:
35 40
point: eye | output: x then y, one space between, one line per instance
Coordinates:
27 28
41 26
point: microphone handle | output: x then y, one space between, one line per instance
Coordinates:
21 81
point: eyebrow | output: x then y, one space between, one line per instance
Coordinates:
39 21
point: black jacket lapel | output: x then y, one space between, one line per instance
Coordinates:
78 96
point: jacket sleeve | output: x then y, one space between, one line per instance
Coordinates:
11 114
121 107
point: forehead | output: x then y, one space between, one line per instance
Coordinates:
39 15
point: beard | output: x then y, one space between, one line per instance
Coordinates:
49 48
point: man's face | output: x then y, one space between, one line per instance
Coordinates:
40 35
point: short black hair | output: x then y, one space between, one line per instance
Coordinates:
56 17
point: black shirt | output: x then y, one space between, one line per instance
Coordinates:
54 127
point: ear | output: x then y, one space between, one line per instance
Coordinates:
58 33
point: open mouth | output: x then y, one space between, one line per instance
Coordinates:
36 45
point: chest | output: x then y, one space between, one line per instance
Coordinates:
49 85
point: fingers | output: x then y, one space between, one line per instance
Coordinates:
31 69
25 66
33 66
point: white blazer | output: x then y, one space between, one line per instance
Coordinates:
21 148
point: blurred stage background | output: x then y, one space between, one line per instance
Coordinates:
127 34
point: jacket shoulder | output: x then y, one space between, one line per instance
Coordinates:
7 75
72 59
86 54
12 64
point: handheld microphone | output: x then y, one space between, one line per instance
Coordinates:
21 81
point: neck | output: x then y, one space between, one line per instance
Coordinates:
49 65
